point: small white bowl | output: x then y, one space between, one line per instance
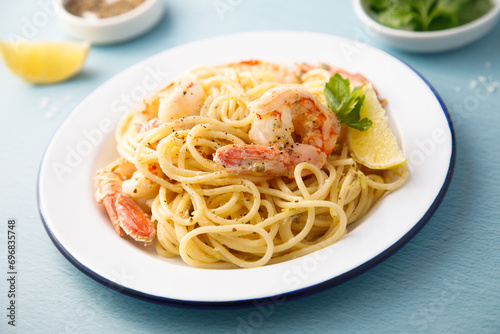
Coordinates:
113 29
429 41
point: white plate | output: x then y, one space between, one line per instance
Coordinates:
84 142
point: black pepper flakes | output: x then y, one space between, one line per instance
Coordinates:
101 8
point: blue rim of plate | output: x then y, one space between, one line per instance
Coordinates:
292 295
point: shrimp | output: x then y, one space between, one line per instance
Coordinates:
290 126
148 125
278 73
356 79
125 214
267 160
186 99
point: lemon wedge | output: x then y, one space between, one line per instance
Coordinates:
44 62
377 147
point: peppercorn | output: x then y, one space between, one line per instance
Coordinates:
101 8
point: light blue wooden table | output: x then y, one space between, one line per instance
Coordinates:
445 280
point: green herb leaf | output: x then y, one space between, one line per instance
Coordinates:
338 90
345 104
399 18
473 10
353 117
426 15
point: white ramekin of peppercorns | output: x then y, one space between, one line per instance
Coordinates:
108 21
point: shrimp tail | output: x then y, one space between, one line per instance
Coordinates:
109 204
132 219
125 214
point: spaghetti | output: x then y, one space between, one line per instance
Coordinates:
215 217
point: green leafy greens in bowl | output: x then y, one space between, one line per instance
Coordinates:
426 15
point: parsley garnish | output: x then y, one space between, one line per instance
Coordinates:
346 104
